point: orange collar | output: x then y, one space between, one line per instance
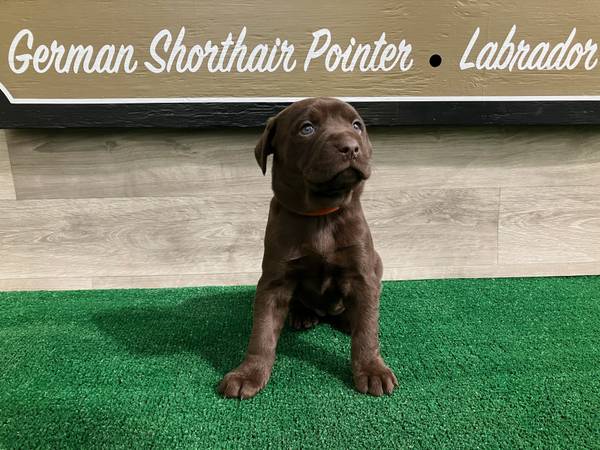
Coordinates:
321 212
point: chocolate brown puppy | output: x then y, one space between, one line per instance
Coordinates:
319 262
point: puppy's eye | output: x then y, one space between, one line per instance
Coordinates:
357 125
307 129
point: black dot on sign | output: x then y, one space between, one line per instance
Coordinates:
435 60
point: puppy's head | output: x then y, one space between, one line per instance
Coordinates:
321 154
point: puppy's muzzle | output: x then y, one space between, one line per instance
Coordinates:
339 184
349 147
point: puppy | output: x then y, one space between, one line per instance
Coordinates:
319 262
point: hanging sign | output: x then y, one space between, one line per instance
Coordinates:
207 63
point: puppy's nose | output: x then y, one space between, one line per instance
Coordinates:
349 146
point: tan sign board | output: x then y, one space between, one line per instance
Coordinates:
200 58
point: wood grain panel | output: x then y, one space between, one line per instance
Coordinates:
390 273
7 189
492 271
145 163
433 227
45 284
135 163
160 281
160 208
223 234
443 157
162 236
550 225
250 278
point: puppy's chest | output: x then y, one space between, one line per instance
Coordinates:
322 251
322 259
321 272
319 280
327 242
319 242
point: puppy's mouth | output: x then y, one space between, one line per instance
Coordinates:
339 185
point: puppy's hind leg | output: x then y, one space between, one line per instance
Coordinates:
301 317
340 322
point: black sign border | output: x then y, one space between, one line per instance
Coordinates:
210 115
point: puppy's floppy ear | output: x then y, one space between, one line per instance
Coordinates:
264 148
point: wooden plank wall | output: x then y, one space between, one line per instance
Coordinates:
156 208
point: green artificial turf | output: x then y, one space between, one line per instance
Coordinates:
481 363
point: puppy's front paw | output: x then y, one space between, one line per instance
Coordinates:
243 382
375 378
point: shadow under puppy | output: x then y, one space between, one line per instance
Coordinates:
319 262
